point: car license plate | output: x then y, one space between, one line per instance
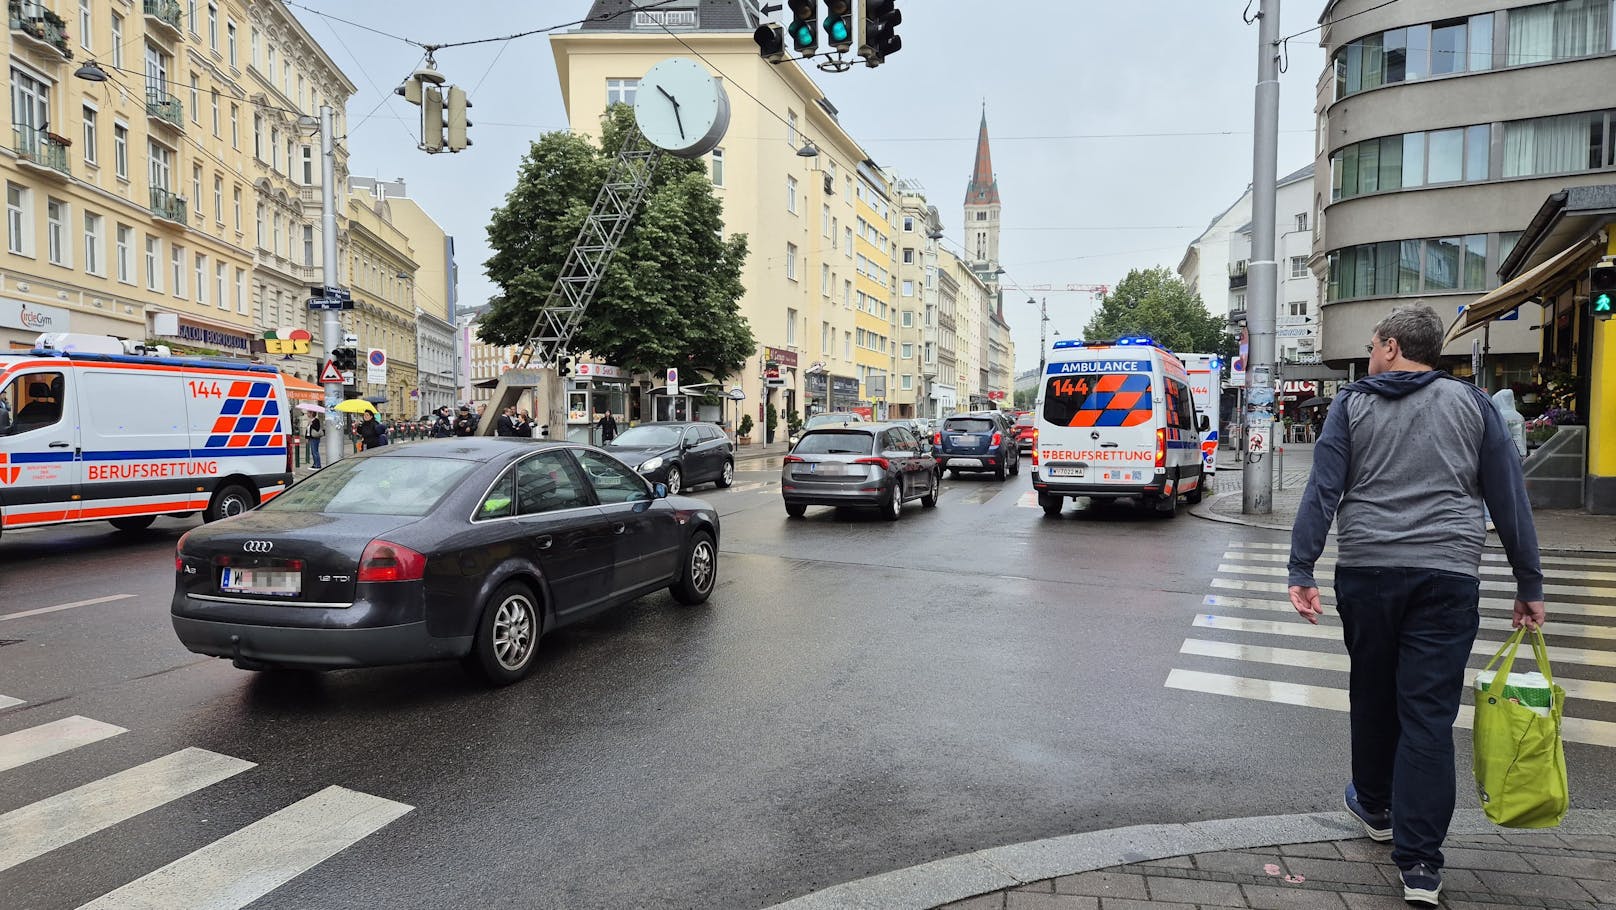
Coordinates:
1065 472
965 440
965 462
1123 476
830 467
260 581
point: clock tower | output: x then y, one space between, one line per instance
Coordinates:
982 210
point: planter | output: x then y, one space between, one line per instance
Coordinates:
743 440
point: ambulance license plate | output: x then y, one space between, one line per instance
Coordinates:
1065 472
260 581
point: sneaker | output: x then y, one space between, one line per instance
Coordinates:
1422 885
1378 825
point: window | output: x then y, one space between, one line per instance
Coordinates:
154 263
230 41
1297 307
908 255
275 147
19 220
252 46
824 221
90 135
613 482
176 262
908 350
1557 31
908 223
201 278
235 126
1301 221
125 253
824 279
1394 268
908 289
213 27
791 128
847 345
235 201
241 291
117 41
196 98
275 236
847 241
791 327
258 136
219 294
791 194
308 245
215 104
908 319
191 15
908 379
791 261
196 185
94 254
36 401
847 294
30 106
85 23
308 165
1298 266
718 167
826 337
270 53
1555 145
621 91
56 231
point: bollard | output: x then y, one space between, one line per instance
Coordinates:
1279 465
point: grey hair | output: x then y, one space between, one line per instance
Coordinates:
1418 330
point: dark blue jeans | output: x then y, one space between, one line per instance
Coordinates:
1409 632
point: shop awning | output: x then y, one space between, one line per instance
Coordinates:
302 390
1516 291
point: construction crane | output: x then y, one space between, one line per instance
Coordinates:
1098 290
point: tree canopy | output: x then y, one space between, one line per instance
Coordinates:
670 297
1156 302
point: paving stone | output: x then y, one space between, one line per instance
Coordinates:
1489 860
1335 870
1602 843
1519 884
1171 862
1128 903
994 901
1321 850
1364 850
1047 886
1602 891
1374 901
1022 900
1539 839
1189 891
1269 897
1238 862
1455 880
1103 884
1575 866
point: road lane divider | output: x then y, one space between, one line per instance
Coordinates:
58 736
59 607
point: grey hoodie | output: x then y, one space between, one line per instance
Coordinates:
1403 465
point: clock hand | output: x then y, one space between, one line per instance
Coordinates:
678 121
668 96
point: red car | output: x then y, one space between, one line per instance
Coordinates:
1026 433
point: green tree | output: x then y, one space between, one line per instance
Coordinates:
670 297
1157 303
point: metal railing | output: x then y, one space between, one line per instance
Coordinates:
32 18
167 205
40 147
167 12
165 107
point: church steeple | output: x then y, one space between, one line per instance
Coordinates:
982 209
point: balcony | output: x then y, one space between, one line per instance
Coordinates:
37 147
165 13
165 108
1237 275
32 20
167 206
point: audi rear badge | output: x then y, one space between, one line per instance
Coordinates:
258 546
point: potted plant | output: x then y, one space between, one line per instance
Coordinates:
771 420
743 433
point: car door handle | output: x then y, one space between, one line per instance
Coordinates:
619 528
543 541
61 445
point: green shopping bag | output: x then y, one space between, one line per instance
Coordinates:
1519 760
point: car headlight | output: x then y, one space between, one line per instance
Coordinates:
652 464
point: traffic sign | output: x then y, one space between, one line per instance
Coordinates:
330 373
331 293
329 303
673 380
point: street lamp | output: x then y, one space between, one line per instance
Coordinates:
1043 338
91 71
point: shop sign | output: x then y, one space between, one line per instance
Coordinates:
32 317
601 371
772 377
784 358
213 338
844 392
816 385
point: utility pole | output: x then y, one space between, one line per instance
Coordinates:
330 325
1257 474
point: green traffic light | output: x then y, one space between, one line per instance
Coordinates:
1602 304
836 27
803 36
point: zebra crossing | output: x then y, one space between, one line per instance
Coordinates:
228 873
1247 642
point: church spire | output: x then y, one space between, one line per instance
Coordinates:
984 188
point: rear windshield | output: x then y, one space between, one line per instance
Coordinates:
374 486
968 425
1024 420
1098 400
835 442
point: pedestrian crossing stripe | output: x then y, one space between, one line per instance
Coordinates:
1561 607
1565 590
1490 562
1299 629
7 701
1491 623
1599 561
58 736
1576 730
1028 500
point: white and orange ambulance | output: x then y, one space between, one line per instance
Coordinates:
1206 387
92 428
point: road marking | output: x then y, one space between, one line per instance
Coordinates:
1301 629
79 603
1028 500
1490 564
7 701
54 738
1590 690
41 827
1556 609
1589 732
245 865
1602 562
1566 590
1492 623
1580 609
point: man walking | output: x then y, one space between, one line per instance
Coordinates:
1405 462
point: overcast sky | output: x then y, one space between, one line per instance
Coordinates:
1079 94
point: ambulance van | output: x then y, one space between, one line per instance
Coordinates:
95 429
1116 419
1206 388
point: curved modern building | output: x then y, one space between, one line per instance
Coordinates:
1442 127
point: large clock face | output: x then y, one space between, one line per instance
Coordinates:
681 108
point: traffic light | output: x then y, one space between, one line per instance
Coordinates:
771 42
1602 289
346 359
564 365
804 27
880 39
839 24
431 119
457 105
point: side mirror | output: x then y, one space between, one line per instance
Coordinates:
661 491
1205 424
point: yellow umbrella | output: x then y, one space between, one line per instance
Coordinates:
355 406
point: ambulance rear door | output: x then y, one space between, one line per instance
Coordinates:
1098 420
40 475
1206 388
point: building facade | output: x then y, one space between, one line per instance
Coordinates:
1442 126
920 387
379 269
874 288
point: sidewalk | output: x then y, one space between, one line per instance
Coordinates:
1558 530
1318 861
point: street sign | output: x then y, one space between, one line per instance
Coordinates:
771 374
673 380
321 303
376 367
330 373
331 293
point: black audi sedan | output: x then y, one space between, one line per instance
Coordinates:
466 549
680 455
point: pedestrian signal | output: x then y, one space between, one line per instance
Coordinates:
1602 290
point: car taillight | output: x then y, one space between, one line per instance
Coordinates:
936 439
996 440
1034 435
383 561
1161 448
880 462
795 459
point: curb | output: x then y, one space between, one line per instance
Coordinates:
956 878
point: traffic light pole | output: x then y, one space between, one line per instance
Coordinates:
330 326
1257 473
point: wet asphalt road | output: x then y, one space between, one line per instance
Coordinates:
857 697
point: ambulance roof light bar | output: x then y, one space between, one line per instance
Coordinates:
1127 341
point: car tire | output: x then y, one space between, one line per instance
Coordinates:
796 509
1166 506
229 501
675 481
892 506
507 639
699 572
1015 466
929 501
999 472
133 523
1050 503
1194 496
726 478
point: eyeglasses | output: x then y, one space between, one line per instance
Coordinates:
1370 347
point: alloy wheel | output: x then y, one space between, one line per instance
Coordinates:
513 632
702 569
